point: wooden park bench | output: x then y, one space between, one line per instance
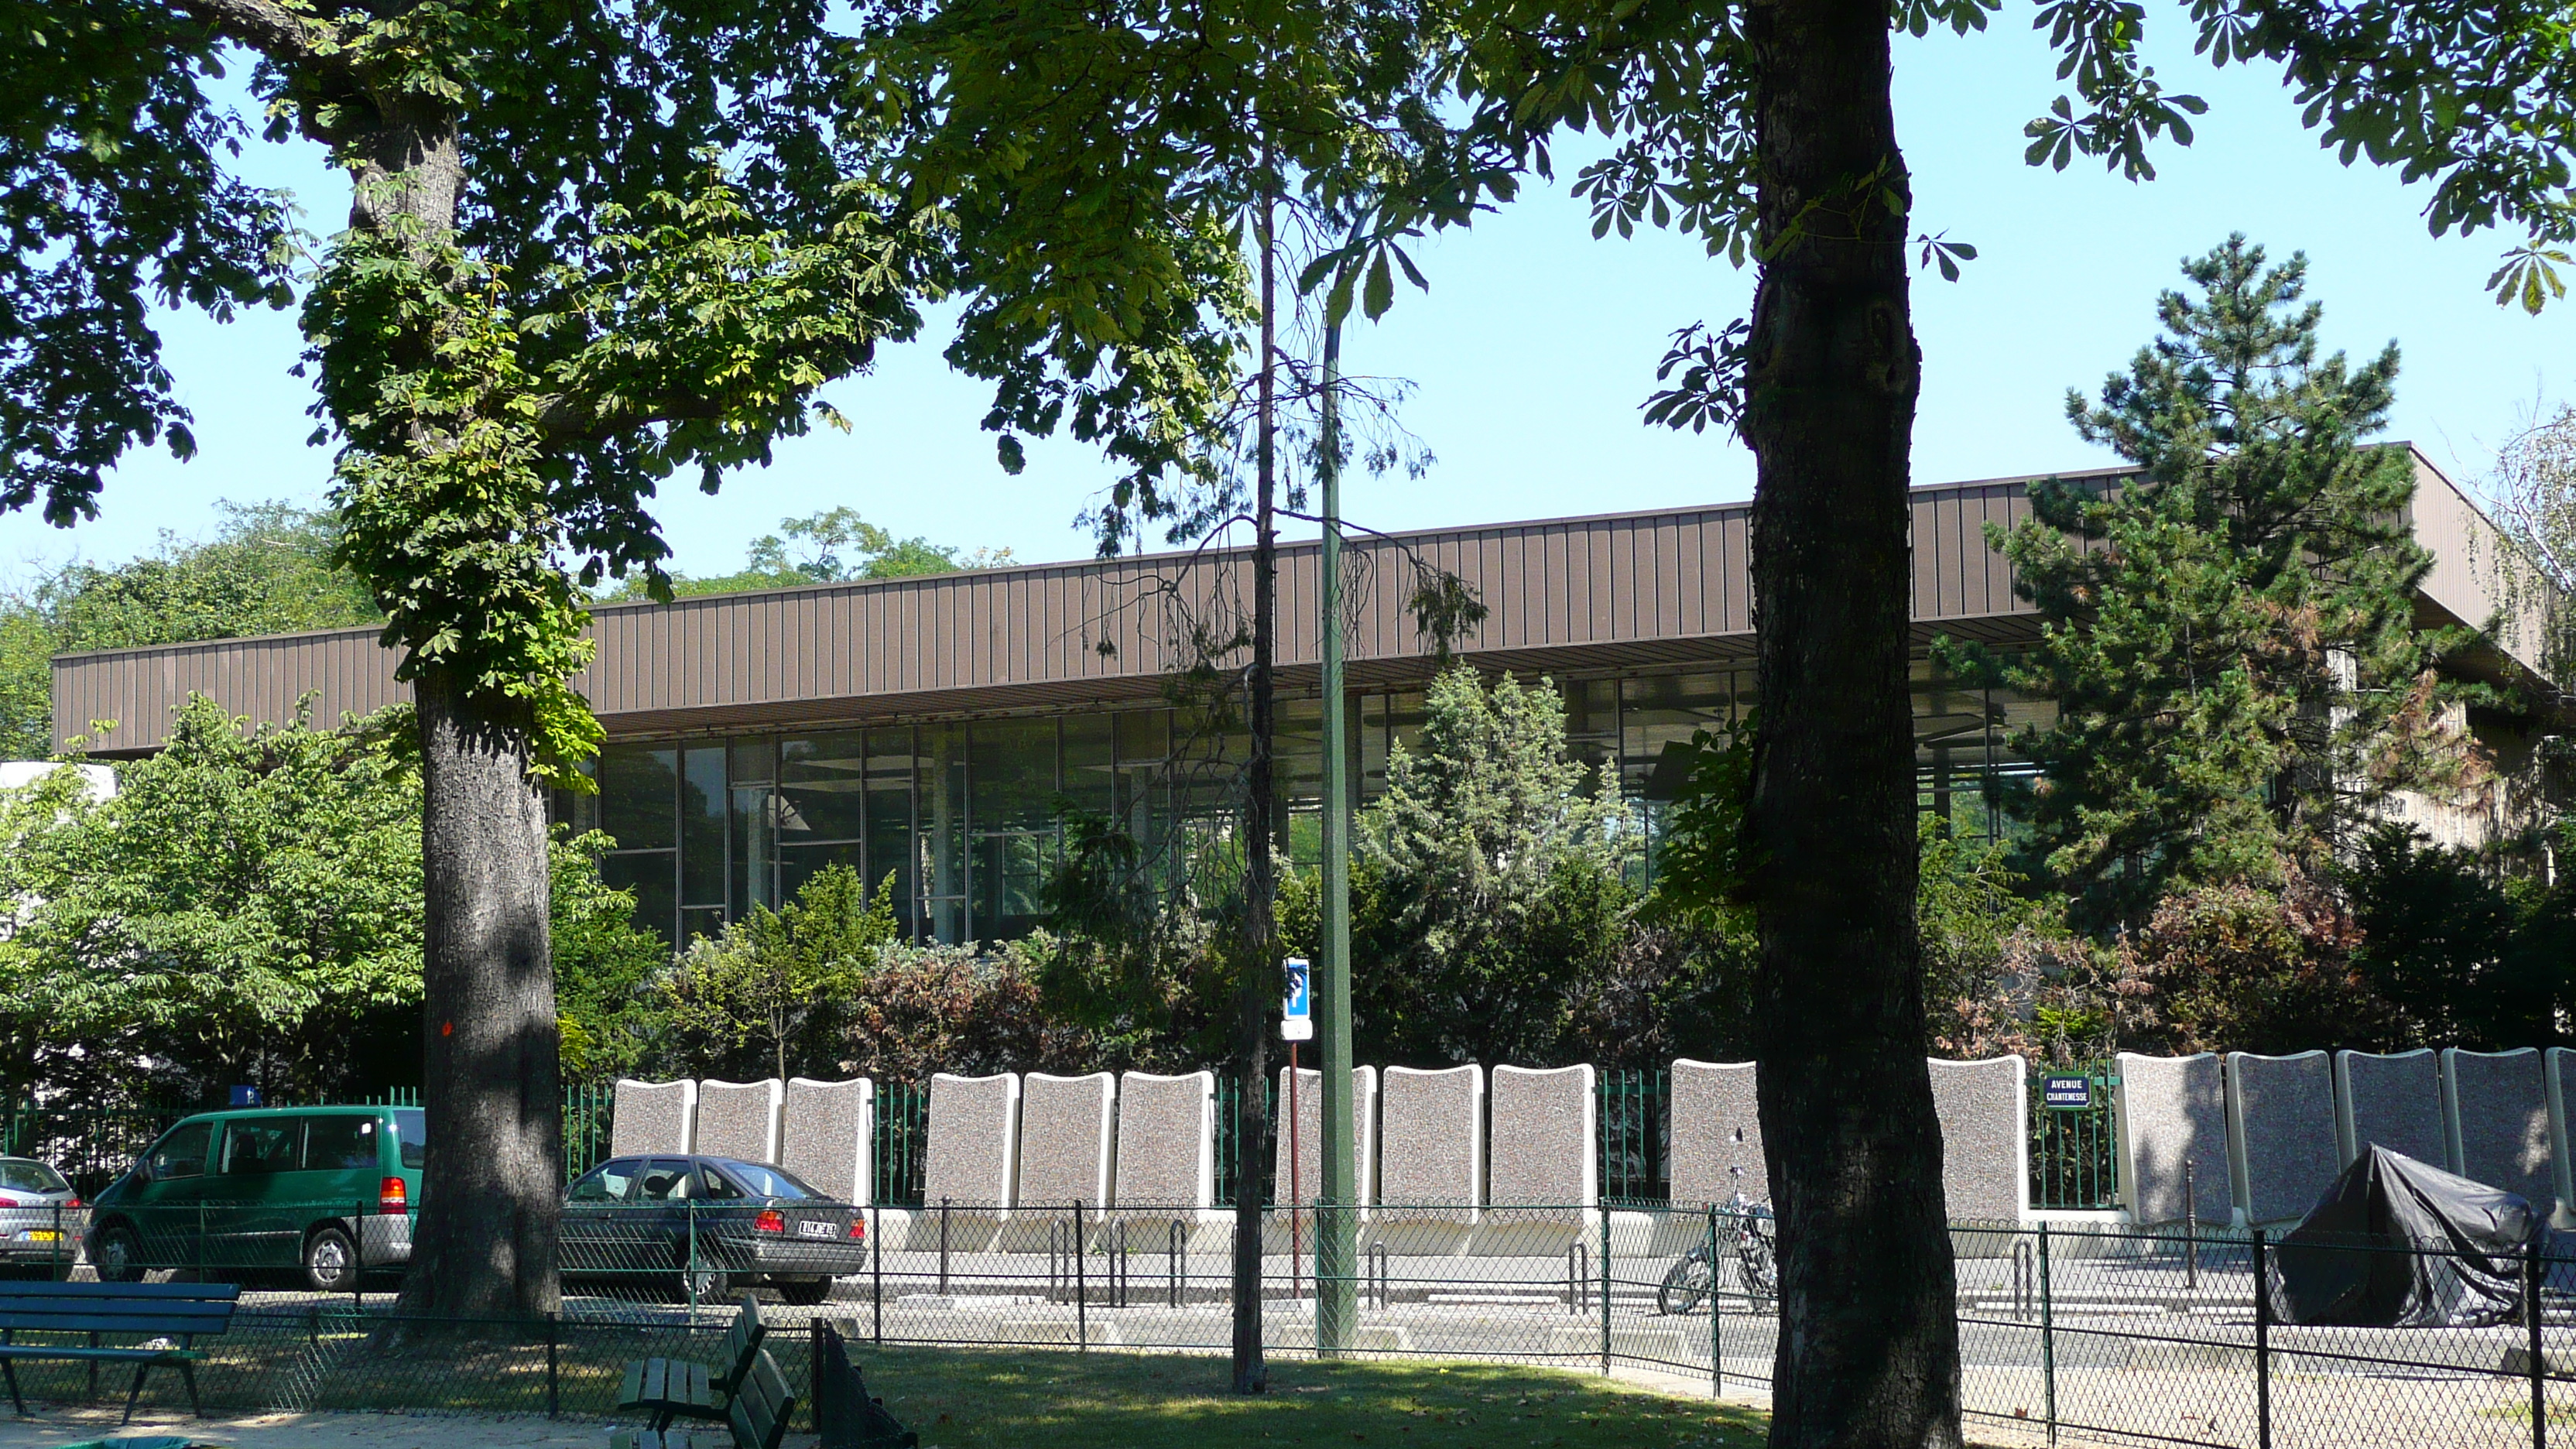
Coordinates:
679 1388
756 1419
155 1312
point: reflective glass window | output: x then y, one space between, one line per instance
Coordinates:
939 788
1012 765
1657 716
822 787
649 875
798 864
889 813
702 827
1090 755
637 786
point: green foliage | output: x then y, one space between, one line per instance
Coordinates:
117 202
247 908
776 986
244 909
2233 967
602 960
2228 637
490 433
835 546
1487 886
1704 863
266 570
2463 955
2002 972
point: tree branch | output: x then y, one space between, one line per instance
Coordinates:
266 26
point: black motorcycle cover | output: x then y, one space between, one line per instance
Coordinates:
2396 1243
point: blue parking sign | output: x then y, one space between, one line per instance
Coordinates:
1297 1013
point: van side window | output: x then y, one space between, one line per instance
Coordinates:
340 1144
411 1125
262 1145
181 1152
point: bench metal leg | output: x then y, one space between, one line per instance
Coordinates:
9 1369
135 1393
188 1376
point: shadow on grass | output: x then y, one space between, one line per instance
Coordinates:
965 1399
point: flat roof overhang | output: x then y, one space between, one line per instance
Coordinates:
1615 592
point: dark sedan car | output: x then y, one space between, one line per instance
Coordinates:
713 1224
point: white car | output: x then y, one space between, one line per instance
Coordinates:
41 1218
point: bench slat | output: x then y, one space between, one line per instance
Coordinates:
101 1355
148 1324
93 1292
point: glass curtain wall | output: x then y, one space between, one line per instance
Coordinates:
961 820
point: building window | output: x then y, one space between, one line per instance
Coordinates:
962 820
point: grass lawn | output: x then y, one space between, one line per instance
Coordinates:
966 1399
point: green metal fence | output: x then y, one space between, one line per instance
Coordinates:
2074 1154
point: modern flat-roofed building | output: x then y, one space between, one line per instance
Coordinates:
937 730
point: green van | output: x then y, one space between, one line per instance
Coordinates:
323 1191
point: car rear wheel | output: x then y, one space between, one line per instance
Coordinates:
330 1261
120 1255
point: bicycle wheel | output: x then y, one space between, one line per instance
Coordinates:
1686 1286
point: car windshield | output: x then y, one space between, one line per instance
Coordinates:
23 1176
411 1131
761 1181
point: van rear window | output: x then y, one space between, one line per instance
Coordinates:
411 1127
340 1144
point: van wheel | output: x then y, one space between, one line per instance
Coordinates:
119 1255
330 1261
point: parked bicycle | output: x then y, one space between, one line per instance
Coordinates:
1750 1244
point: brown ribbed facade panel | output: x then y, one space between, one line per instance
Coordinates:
1625 591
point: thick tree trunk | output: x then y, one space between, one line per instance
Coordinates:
493 1186
1260 933
1868 1347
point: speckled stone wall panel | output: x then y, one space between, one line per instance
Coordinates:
2394 1100
2558 1073
1166 1140
1433 1149
828 1134
972 1157
2496 1106
1716 1126
2170 1112
652 1117
1066 1139
2281 1133
1309 1174
1985 1143
740 1119
1544 1135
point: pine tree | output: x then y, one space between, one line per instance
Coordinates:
2228 634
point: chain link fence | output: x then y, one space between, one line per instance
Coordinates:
2068 1335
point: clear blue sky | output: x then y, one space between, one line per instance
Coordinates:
1536 343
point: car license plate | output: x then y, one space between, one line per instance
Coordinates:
814 1230
43 1235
